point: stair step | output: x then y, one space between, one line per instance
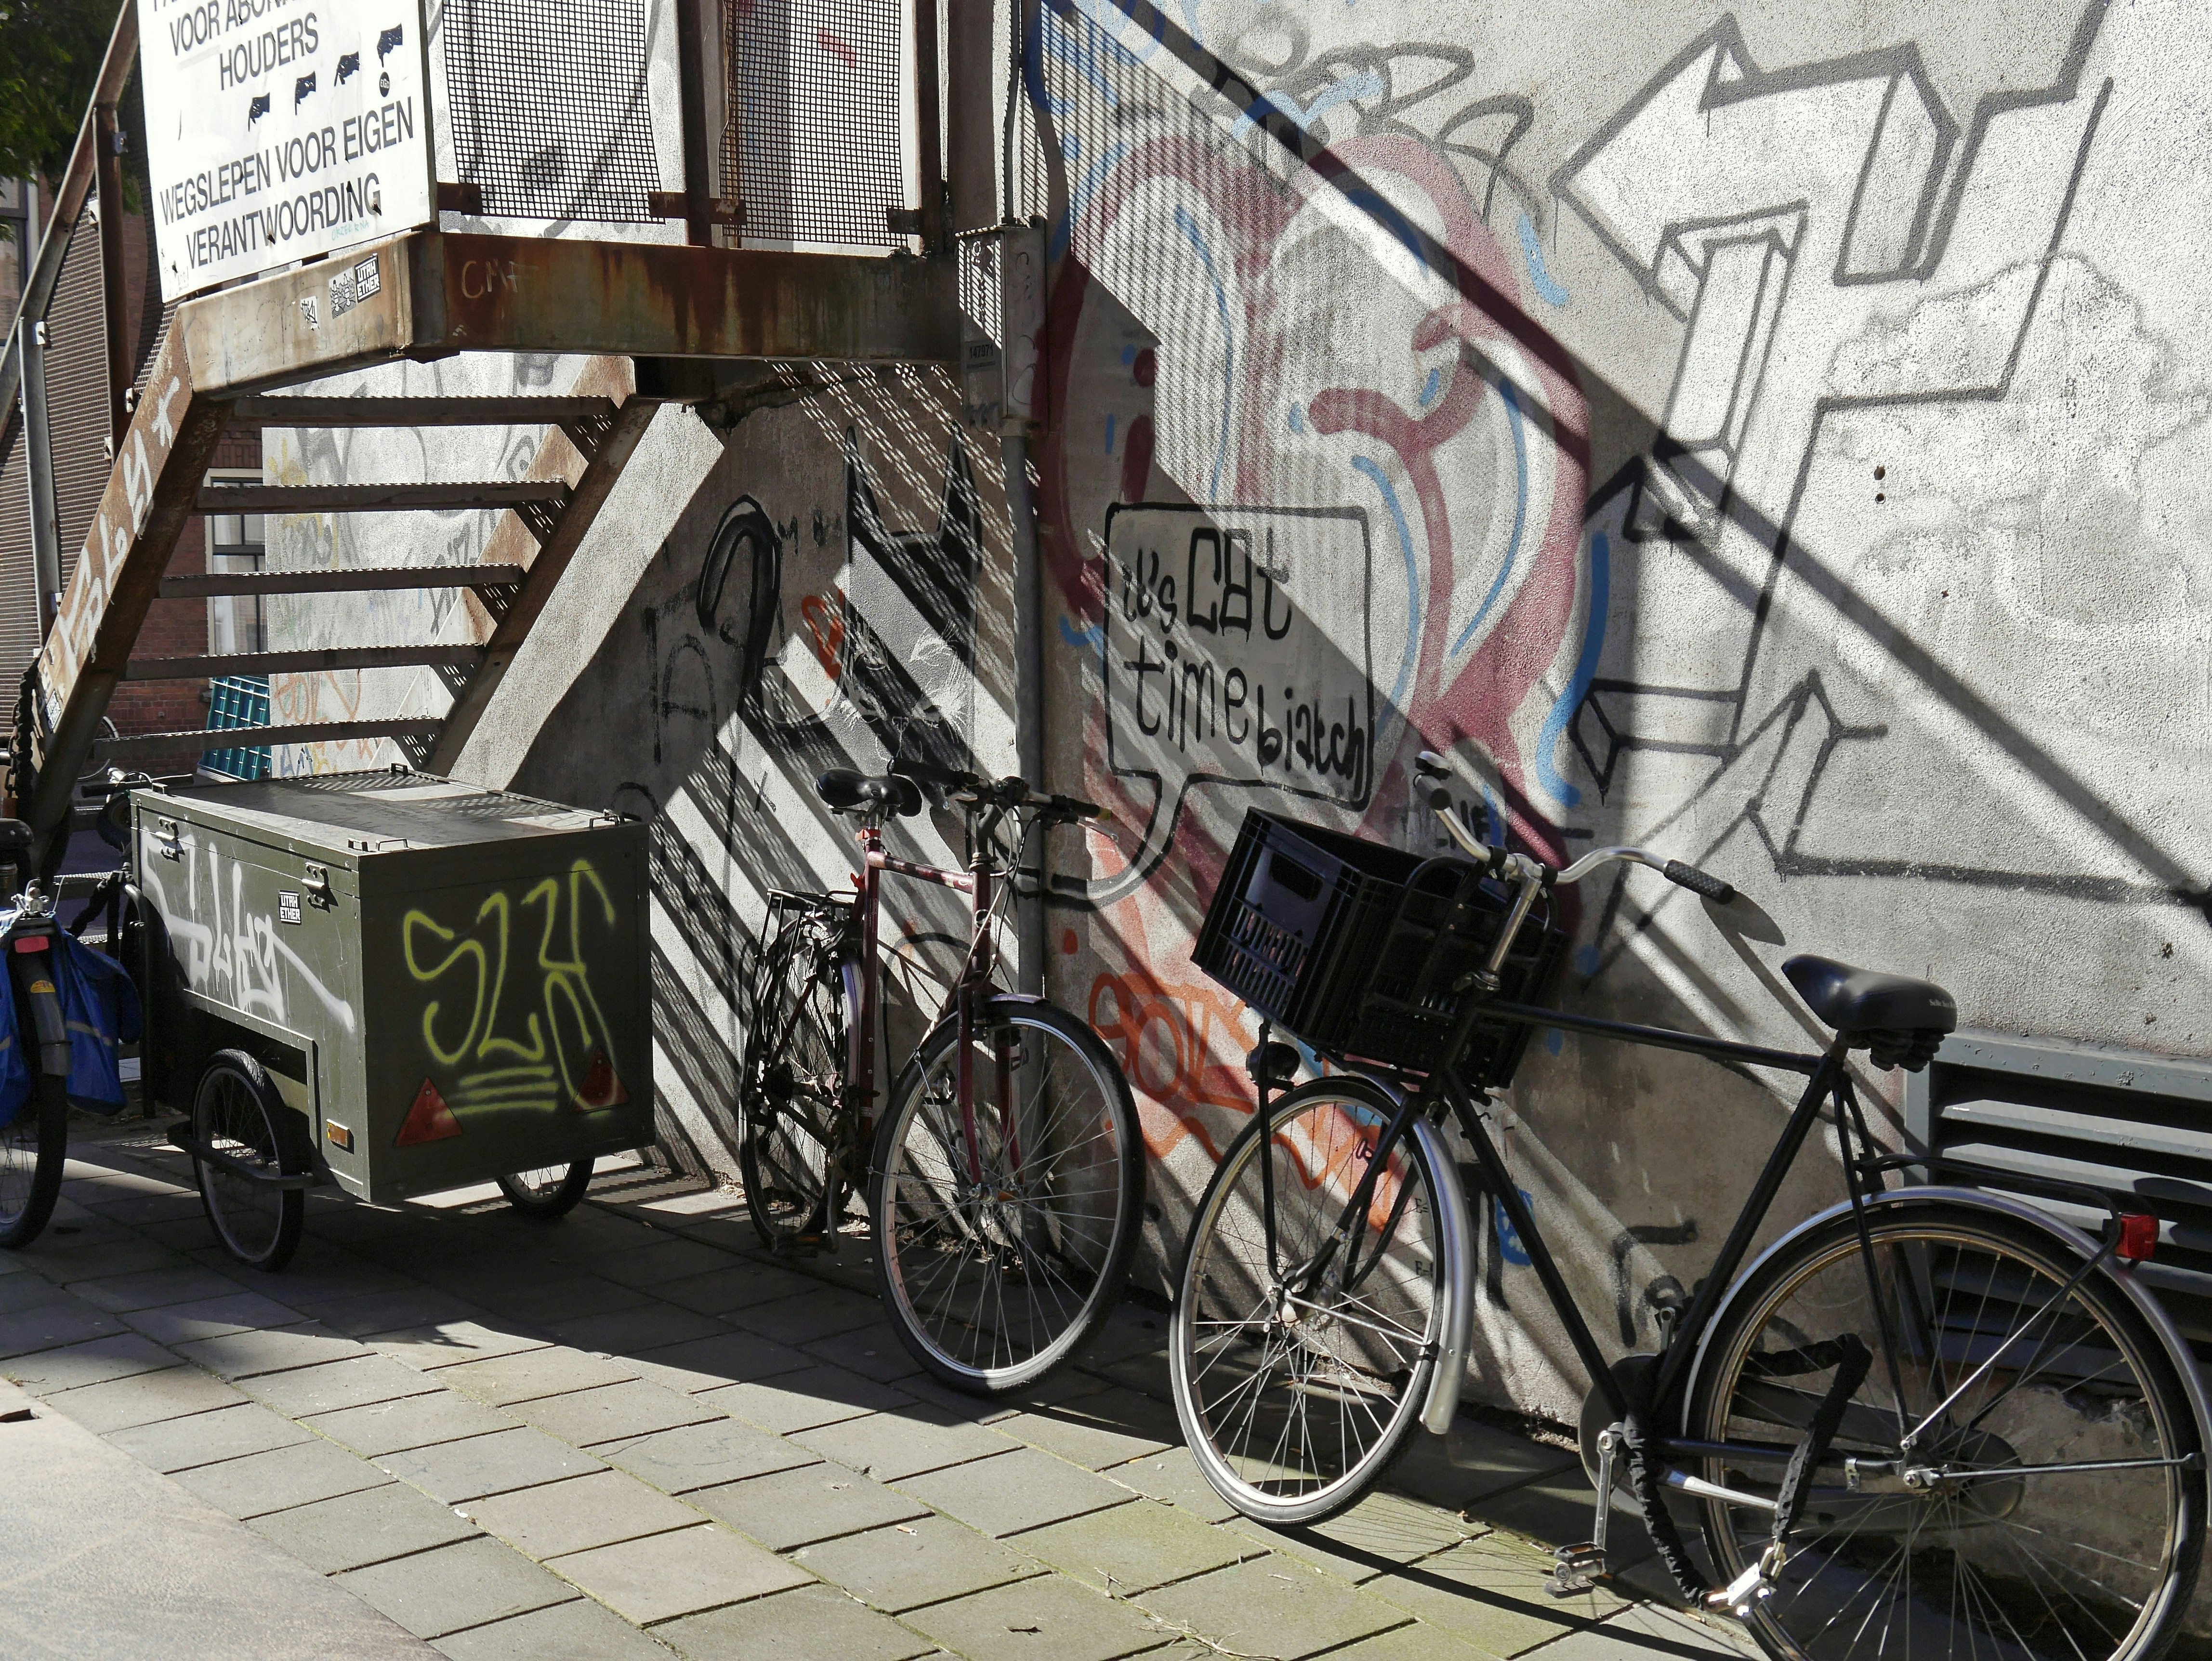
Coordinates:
371 498
333 412
248 738
341 579
303 662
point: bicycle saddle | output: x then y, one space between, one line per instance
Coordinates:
1900 1019
842 790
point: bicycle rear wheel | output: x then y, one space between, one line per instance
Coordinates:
997 1261
1933 1551
34 1145
1293 1404
795 1128
237 1113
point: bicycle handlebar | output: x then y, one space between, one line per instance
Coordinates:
1501 862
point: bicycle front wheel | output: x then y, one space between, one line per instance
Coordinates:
2046 1509
1296 1398
999 1252
34 1145
794 1132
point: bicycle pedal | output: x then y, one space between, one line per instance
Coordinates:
1578 1569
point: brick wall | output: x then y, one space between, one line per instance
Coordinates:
179 627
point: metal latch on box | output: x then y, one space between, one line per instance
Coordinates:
169 839
317 883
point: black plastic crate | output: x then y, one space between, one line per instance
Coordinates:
1354 946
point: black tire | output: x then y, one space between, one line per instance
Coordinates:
1048 1239
550 1192
2091 1565
33 1147
1248 1363
795 1130
237 1111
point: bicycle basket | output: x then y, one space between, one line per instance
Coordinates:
1354 946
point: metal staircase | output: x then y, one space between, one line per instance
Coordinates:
667 323
510 595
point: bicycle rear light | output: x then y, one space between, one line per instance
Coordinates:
32 943
2138 1237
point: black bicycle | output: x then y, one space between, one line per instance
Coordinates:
34 1141
1931 1421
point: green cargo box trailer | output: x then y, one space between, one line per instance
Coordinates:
392 982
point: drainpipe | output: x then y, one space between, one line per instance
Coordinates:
1021 311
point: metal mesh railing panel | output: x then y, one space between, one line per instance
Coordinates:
549 113
816 134
237 701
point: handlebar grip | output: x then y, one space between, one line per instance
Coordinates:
1689 877
1440 800
1076 808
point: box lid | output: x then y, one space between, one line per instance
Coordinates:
370 812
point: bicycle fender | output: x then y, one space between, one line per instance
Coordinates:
1456 1236
2148 1305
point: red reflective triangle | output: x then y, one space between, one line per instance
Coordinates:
428 1121
600 1088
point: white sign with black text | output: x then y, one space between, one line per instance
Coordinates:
279 130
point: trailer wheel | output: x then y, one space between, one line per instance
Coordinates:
237 1113
550 1191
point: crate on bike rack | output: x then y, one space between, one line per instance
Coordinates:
1355 947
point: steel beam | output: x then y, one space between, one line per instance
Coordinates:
583 504
333 412
440 293
306 661
247 737
376 498
340 580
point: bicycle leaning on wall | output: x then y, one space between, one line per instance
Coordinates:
1930 1421
1006 1176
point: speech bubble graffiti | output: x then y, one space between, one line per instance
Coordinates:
1235 659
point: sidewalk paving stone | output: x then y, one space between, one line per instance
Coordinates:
873 1352
905 1443
818 1312
154 1288
1097 1432
1134 1547
649 1324
703 1455
277 1349
531 1373
368 1526
1023 1489
172 1445
613 1412
335 1385
1658 1634
139 1210
668 1257
457 1472
806 1503
73 1367
667 1575
808 1624
602 1509
21 1291
1275 1607
211 1317
144 1398
1173 1477
732 1286
1559 1507
1383 1531
1474 1460
812 1396
541 1303
910 1563
579 1630
258 1483
723 1358
50 1324
410 1422
438 1344
467 1584
1419 1642
99 1250
1047 1619
1490 1592
364 1314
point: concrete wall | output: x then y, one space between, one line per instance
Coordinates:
1771 436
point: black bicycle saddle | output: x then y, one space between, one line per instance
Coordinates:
1901 1019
